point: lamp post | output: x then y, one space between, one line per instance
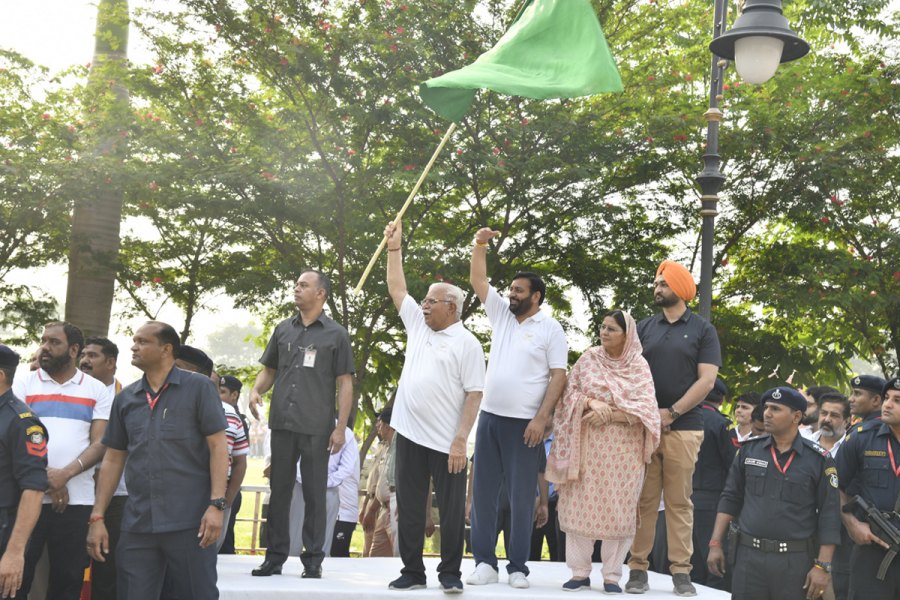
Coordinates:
758 42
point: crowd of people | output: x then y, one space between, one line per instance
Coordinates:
626 458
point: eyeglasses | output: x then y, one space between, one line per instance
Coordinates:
432 301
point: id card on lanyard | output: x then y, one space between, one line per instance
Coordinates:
309 357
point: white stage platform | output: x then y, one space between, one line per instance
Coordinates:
364 578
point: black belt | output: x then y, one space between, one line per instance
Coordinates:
773 546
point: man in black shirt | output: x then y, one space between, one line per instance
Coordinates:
23 476
713 462
783 491
684 356
868 467
309 362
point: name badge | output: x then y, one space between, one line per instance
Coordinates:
756 462
309 357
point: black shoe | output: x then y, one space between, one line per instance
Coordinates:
407 582
451 584
312 573
267 568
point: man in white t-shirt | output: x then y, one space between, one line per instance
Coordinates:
74 407
436 406
525 377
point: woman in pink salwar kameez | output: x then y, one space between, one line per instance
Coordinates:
605 429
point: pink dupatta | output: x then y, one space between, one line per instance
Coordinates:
624 383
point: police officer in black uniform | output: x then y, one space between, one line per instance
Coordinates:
783 491
713 462
866 397
869 466
23 476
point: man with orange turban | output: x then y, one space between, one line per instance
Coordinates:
683 351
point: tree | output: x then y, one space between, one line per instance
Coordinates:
94 244
35 168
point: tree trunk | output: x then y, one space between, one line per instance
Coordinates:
94 245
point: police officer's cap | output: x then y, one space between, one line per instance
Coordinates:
720 387
893 384
787 396
195 356
9 359
869 383
232 383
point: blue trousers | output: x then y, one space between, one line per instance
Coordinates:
501 456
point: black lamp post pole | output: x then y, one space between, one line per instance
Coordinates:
711 179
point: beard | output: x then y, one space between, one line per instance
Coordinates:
520 307
54 364
810 419
827 431
665 301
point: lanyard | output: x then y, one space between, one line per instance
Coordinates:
893 465
152 401
787 465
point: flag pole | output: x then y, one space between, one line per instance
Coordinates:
406 204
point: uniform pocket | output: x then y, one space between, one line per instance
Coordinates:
875 474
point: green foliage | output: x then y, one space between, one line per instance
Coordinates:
273 135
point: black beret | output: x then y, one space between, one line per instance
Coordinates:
9 358
893 384
195 356
787 396
232 383
867 382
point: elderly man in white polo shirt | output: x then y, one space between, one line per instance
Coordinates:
436 406
526 375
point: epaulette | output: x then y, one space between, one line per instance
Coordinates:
863 427
754 439
815 446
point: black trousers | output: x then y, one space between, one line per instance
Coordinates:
103 574
864 585
228 543
415 467
64 534
340 541
7 521
704 521
312 450
758 575
145 559
549 531
840 565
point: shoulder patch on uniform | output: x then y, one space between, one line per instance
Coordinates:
36 441
756 462
25 415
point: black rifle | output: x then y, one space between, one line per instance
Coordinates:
881 526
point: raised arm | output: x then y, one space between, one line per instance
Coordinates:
478 268
396 280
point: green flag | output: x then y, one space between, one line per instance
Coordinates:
554 49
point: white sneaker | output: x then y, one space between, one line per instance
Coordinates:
518 580
482 575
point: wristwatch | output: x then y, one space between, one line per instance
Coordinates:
825 566
675 414
219 503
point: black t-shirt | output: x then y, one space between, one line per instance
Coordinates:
673 351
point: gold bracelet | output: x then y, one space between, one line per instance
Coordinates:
393 249
480 243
